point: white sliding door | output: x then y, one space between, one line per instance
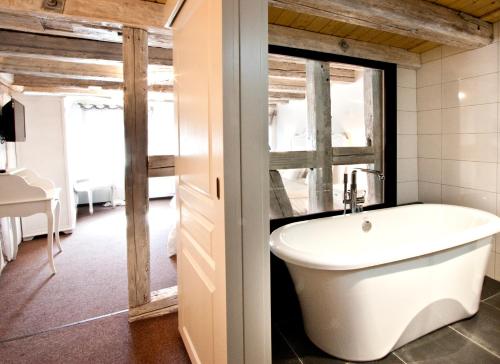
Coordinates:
213 202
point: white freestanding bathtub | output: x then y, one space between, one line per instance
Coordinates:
364 294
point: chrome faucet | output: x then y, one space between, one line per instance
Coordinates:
351 196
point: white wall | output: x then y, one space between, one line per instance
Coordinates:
44 152
458 103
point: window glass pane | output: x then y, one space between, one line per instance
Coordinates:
325 119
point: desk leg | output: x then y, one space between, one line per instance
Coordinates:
50 239
113 196
57 221
91 206
15 238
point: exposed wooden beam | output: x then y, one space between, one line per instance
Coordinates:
287 88
162 302
280 205
70 49
412 18
287 95
36 81
308 159
49 24
301 39
294 82
67 91
161 165
135 56
47 68
297 70
319 131
135 13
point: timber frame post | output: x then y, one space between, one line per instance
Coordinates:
319 120
135 65
374 126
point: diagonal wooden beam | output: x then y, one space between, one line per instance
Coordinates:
411 18
301 39
22 44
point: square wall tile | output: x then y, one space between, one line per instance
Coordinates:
498 205
407 170
497 266
429 192
429 146
471 119
431 55
429 170
429 98
429 74
429 122
449 51
470 147
407 192
407 146
498 146
471 91
472 63
407 122
407 99
476 175
406 77
477 199
498 180
490 269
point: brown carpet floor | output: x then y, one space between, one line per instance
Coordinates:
107 340
92 273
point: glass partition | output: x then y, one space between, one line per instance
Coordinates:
325 119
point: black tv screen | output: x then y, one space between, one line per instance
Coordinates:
12 124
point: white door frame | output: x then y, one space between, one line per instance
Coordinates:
246 158
255 179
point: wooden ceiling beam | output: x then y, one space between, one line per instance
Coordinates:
50 24
411 18
301 39
287 95
135 13
39 81
59 69
21 44
286 88
297 70
77 71
52 82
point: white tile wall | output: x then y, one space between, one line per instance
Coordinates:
458 142
407 179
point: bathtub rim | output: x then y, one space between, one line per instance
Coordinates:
294 256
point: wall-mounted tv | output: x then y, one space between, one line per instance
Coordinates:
12 124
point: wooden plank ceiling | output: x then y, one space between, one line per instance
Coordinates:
487 10
56 63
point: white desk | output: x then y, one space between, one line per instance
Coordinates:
23 193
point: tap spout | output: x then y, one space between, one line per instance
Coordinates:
379 174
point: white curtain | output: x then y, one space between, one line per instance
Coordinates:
100 151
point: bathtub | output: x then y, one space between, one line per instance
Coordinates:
364 294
